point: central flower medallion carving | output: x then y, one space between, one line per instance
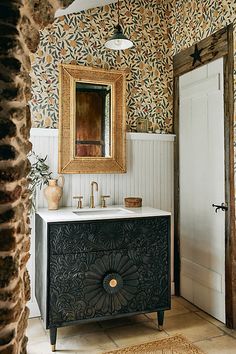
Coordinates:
111 282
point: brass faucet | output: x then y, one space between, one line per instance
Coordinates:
91 205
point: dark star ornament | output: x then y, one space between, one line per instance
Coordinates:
196 55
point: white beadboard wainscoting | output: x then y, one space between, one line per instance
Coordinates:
149 171
150 175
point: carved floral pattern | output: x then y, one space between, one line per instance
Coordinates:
139 261
97 235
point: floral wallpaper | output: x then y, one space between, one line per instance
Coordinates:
158 28
79 39
193 20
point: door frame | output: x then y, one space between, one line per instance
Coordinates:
219 44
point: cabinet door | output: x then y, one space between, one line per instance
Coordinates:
107 283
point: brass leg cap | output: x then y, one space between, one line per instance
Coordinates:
160 328
53 347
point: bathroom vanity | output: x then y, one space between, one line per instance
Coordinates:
98 264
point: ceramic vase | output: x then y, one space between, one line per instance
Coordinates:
53 192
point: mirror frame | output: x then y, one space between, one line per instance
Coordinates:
69 75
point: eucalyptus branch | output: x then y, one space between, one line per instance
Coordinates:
38 176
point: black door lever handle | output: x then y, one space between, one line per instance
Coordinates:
223 207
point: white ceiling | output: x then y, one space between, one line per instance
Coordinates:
79 5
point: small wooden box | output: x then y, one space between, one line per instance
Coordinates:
133 202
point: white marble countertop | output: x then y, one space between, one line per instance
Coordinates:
98 213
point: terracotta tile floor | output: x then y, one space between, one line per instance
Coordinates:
206 332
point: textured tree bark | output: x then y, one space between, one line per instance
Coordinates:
20 22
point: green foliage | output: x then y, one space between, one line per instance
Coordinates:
38 176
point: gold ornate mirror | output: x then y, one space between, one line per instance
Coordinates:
92 120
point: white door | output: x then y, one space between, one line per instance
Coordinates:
202 230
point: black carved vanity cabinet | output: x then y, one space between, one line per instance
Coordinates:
101 269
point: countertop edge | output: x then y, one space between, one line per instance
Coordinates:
66 214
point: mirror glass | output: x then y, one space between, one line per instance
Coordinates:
93 120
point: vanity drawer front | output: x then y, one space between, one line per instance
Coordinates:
103 284
87 236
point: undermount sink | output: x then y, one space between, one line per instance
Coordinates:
105 211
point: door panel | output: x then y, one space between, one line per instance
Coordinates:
202 231
79 284
202 275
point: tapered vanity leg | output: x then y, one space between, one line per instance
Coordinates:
53 338
160 319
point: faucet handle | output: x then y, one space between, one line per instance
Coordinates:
103 200
79 205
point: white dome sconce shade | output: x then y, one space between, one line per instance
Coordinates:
118 41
